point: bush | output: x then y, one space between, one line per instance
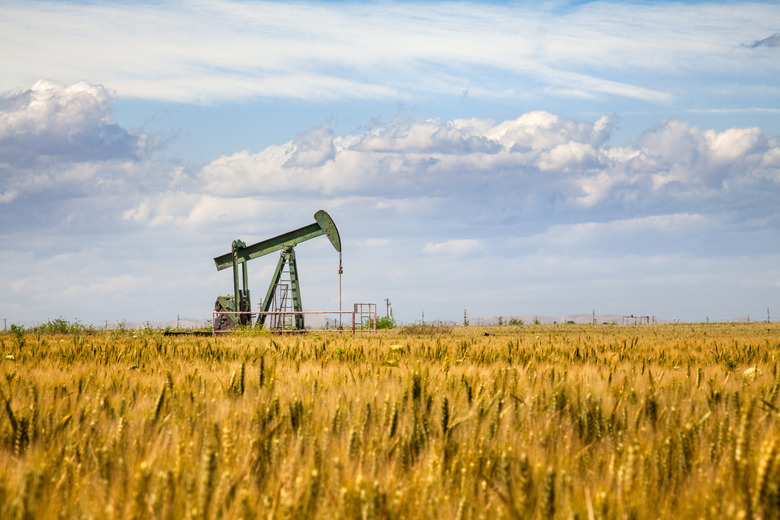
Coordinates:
383 322
422 329
62 326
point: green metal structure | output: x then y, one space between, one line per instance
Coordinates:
240 254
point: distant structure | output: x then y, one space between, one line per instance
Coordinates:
637 320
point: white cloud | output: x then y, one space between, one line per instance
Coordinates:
376 242
702 160
755 110
541 130
57 143
410 166
425 156
48 106
535 162
540 194
313 148
414 206
575 235
55 122
8 196
106 286
538 151
594 188
771 161
731 144
192 210
225 50
570 157
457 247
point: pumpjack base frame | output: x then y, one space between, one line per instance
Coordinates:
362 318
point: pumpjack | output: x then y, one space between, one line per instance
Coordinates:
240 254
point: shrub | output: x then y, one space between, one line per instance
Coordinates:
62 326
383 322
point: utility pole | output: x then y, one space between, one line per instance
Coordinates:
387 303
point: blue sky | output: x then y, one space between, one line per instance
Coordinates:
514 158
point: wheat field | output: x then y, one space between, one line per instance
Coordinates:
534 421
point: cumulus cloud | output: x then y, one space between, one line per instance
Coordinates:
541 130
50 122
415 156
468 170
405 194
59 142
66 168
311 149
701 160
554 182
538 159
421 136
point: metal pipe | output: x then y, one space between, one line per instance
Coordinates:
236 300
